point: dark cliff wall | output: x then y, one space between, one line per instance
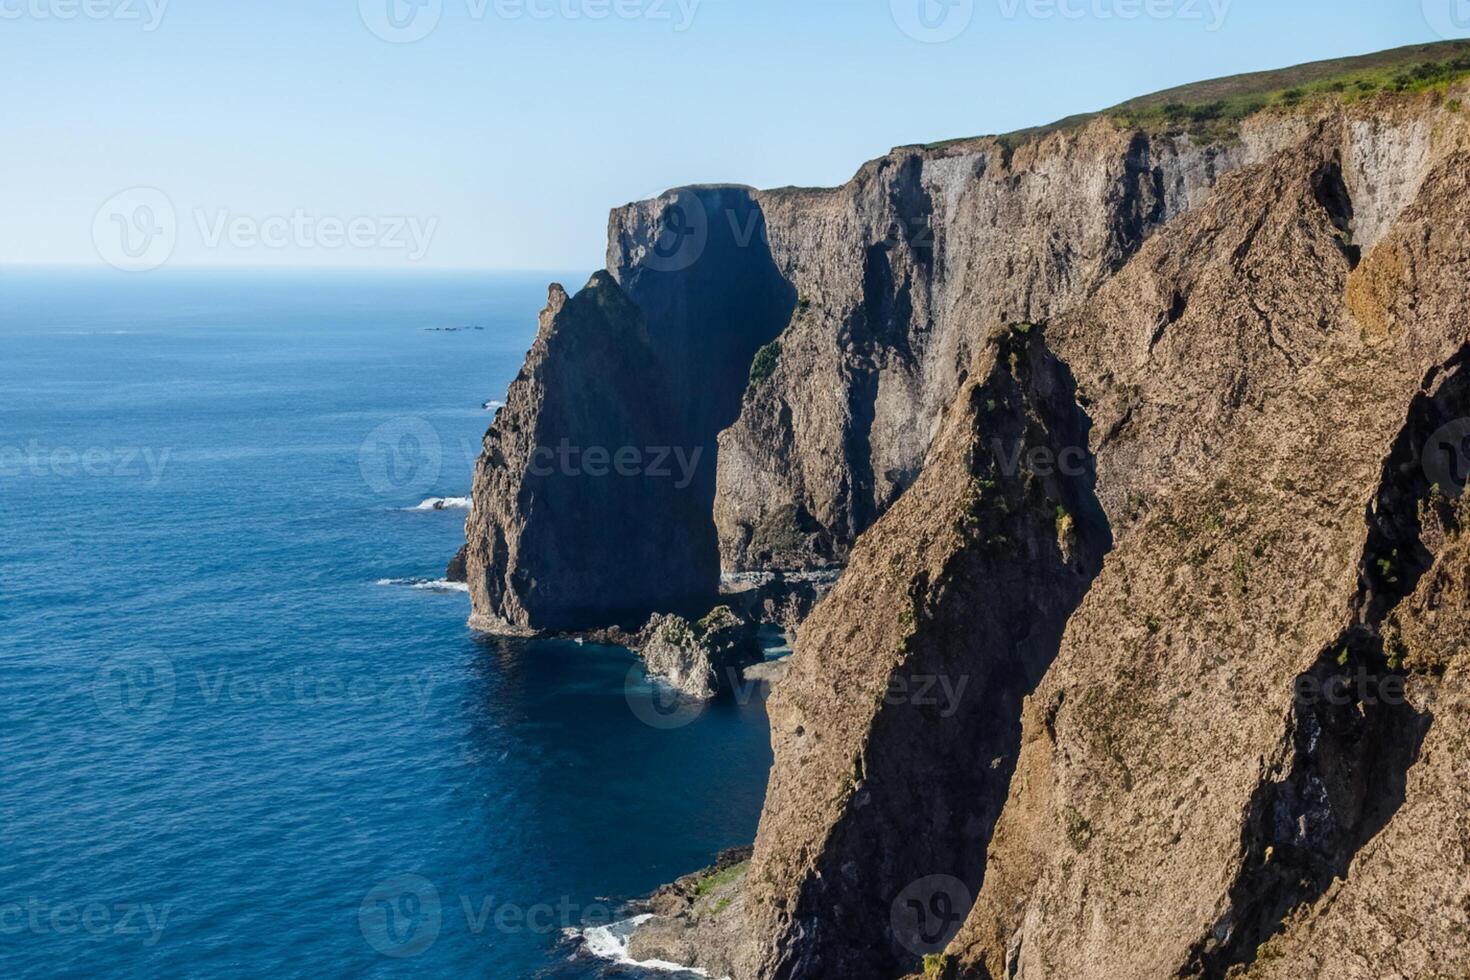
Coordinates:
594 496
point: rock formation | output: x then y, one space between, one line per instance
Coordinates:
701 658
1141 440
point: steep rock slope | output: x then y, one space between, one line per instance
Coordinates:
901 274
1261 380
593 495
1176 797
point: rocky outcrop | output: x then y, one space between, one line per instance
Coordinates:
702 658
1076 707
1254 523
592 497
698 917
1141 453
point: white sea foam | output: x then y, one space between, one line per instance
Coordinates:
611 943
444 503
494 406
430 585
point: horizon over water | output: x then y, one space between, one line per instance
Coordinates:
247 730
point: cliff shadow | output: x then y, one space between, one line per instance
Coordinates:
900 869
711 294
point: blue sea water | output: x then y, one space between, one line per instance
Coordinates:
227 749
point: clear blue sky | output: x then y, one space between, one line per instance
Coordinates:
512 134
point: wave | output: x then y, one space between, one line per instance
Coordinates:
429 585
611 943
494 406
444 503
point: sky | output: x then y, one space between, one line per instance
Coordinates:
496 134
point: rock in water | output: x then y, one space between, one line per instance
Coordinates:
457 570
703 658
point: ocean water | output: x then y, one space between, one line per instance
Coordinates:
228 748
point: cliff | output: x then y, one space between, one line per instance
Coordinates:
1141 440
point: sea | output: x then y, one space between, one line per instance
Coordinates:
244 728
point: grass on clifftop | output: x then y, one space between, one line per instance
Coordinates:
1213 111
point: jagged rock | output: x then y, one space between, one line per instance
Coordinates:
702 658
771 672
593 495
458 570
697 917
1132 780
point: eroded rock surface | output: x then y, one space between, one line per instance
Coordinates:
700 658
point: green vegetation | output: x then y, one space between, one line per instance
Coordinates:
1079 830
1214 119
721 905
937 966
987 514
1212 111
765 363
1388 568
803 304
720 879
1065 523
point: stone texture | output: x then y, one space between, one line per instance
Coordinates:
701 658
1132 781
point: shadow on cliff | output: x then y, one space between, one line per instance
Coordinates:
711 296
1351 744
901 867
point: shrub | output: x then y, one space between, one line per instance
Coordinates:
936 966
765 362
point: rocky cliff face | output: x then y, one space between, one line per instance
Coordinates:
1191 705
1144 457
1264 378
593 495
866 304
